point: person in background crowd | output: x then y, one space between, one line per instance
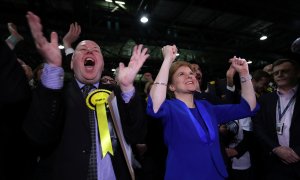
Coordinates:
269 69
242 148
17 158
70 37
106 79
277 124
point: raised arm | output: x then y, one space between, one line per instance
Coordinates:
72 35
229 76
127 74
159 89
48 50
14 37
247 90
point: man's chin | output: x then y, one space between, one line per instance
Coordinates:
91 80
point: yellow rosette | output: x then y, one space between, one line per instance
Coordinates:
96 100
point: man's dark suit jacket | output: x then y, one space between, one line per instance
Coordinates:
58 124
16 156
265 129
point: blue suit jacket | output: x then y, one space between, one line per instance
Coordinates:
191 153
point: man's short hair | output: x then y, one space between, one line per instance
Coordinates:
281 61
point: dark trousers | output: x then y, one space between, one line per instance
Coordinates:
277 170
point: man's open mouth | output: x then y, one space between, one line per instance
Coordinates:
89 62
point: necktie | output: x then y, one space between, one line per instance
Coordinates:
92 170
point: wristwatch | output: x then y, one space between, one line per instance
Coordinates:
245 79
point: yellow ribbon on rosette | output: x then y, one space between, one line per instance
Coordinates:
97 100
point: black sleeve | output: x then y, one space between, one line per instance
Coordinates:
12 77
43 123
262 130
133 118
245 144
232 97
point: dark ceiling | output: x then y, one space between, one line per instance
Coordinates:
206 31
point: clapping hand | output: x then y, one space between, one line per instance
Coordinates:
48 50
127 74
72 35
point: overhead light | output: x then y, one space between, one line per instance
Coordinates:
113 70
61 47
249 62
118 2
144 19
177 54
114 9
263 37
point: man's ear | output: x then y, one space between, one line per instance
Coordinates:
171 87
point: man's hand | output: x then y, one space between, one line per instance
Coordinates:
127 74
231 152
48 50
14 37
72 35
229 76
286 154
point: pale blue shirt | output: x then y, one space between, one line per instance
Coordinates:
52 78
284 138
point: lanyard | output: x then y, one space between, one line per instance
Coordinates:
285 109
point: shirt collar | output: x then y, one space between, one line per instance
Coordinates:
81 84
291 91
